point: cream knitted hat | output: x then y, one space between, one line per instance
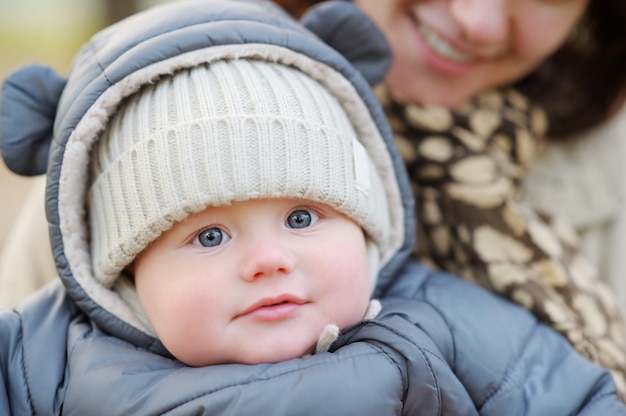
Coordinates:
215 134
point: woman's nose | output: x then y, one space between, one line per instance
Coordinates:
266 259
482 21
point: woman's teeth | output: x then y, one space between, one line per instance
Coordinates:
440 46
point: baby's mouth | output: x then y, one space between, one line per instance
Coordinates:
271 309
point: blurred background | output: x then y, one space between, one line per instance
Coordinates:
48 32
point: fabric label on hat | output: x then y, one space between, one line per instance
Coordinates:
361 167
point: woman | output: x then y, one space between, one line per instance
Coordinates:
475 91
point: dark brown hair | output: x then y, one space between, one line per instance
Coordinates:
584 82
296 8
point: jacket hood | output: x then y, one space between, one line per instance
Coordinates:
50 123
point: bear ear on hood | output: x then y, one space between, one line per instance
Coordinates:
28 104
345 28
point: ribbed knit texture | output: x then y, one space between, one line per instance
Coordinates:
212 135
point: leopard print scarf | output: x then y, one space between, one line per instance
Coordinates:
466 168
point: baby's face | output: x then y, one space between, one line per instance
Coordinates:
253 282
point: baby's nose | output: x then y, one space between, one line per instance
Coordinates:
266 259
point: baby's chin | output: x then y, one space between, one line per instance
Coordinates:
277 355
252 356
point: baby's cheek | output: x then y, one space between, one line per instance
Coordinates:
352 292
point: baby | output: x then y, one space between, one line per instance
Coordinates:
256 216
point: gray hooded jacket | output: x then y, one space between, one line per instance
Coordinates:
440 346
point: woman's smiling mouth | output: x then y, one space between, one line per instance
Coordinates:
440 45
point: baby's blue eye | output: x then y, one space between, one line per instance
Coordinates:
301 218
211 237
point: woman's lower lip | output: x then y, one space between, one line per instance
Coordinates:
273 312
435 61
